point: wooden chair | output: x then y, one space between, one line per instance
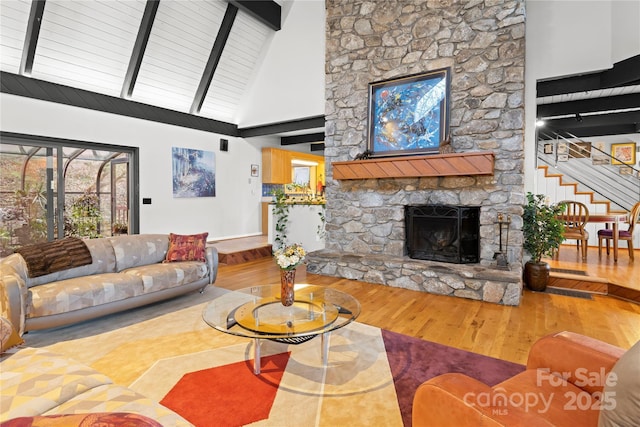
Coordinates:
575 217
607 233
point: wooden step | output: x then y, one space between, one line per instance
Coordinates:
240 250
579 281
562 183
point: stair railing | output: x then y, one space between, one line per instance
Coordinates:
620 184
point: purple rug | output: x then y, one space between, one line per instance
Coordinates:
413 361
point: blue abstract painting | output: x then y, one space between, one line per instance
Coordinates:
194 173
408 115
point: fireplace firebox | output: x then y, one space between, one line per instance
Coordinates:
443 233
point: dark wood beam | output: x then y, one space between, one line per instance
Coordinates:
623 73
590 132
31 37
39 89
302 139
608 103
214 58
317 147
597 124
139 47
280 127
266 11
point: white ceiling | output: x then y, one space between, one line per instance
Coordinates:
88 45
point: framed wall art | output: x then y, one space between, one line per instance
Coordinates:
623 154
580 150
409 115
194 173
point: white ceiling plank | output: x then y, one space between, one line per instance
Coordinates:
14 18
87 44
236 66
179 46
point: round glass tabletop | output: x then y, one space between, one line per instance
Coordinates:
257 312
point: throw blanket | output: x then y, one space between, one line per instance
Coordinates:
49 257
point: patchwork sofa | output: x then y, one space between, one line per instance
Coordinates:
40 387
570 380
124 272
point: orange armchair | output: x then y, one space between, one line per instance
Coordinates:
562 386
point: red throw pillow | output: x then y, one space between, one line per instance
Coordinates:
187 247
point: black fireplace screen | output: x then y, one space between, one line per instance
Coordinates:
443 233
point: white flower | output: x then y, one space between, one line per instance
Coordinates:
290 257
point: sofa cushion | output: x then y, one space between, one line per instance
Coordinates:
621 396
82 292
187 247
140 249
35 381
8 336
104 261
94 419
168 275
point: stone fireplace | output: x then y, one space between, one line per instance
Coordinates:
483 44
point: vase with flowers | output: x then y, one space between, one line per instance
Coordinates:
288 259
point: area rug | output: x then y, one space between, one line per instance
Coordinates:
166 352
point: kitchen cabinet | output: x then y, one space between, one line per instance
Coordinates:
276 166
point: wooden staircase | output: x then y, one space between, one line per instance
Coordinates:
574 188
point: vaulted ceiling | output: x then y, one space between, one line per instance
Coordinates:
187 63
593 104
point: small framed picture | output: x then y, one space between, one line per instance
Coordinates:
623 154
548 148
255 170
626 170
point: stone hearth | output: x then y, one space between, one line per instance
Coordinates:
483 44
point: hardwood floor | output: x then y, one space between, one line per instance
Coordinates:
490 329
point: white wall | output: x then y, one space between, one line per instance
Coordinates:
566 37
290 83
234 212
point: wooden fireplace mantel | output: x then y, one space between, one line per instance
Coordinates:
471 163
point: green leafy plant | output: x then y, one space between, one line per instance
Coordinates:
322 231
543 231
281 215
86 216
120 228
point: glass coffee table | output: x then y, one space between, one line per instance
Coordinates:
257 313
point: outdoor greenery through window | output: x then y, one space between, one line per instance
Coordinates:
50 190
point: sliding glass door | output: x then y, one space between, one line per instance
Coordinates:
53 188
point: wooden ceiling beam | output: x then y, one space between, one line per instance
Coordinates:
139 47
214 58
266 11
31 37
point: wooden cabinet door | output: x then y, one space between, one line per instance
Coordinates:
276 166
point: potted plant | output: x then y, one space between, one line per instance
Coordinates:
543 233
119 228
